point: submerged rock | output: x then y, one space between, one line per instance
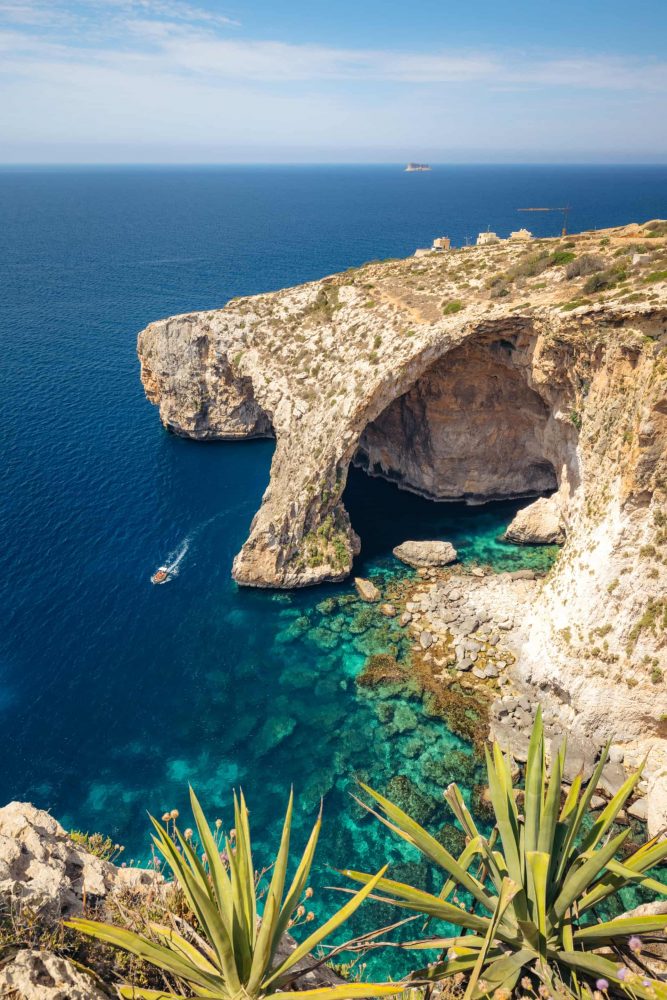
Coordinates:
405 719
405 794
422 554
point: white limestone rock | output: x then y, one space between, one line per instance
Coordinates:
41 975
421 554
367 590
41 866
540 523
656 802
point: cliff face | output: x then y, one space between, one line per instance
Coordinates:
480 373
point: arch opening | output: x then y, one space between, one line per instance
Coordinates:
471 428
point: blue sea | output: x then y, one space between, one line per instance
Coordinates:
115 694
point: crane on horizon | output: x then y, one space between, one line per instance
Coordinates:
565 210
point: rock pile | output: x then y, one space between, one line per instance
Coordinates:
469 622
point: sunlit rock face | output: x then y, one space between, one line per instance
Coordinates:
414 369
471 428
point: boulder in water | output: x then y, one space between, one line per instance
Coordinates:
366 589
539 523
421 554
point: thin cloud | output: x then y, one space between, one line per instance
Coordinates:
148 71
161 44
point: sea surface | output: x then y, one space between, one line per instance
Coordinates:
115 694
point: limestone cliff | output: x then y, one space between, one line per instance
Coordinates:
500 371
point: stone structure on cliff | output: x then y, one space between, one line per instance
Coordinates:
500 371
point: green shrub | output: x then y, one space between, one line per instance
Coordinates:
452 307
588 263
498 286
97 844
231 954
531 266
535 882
655 276
660 229
562 257
603 280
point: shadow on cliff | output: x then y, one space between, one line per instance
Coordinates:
384 516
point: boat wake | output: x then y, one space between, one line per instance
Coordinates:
170 567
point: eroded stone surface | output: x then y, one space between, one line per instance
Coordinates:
41 866
547 387
41 975
540 523
366 589
417 554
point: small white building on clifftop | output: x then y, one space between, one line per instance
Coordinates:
485 239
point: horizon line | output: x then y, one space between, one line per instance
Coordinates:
333 163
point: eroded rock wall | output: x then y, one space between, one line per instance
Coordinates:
470 429
488 398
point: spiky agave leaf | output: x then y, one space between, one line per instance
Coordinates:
556 870
235 953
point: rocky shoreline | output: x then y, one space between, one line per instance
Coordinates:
479 373
466 627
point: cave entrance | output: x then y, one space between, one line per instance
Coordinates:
469 431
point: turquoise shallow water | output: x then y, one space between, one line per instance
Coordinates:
113 693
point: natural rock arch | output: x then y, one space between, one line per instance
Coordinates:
470 428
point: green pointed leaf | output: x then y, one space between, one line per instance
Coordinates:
597 966
534 783
157 954
507 894
409 898
610 812
538 871
264 947
545 839
299 884
330 925
580 878
185 948
415 834
504 807
504 972
622 927
576 817
138 993
219 877
348 990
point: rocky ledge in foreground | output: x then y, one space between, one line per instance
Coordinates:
501 371
46 876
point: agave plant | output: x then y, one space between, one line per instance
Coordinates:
534 885
231 953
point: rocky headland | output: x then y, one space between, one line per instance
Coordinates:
513 370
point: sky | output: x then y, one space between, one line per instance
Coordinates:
289 81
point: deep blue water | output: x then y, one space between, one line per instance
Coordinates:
113 693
